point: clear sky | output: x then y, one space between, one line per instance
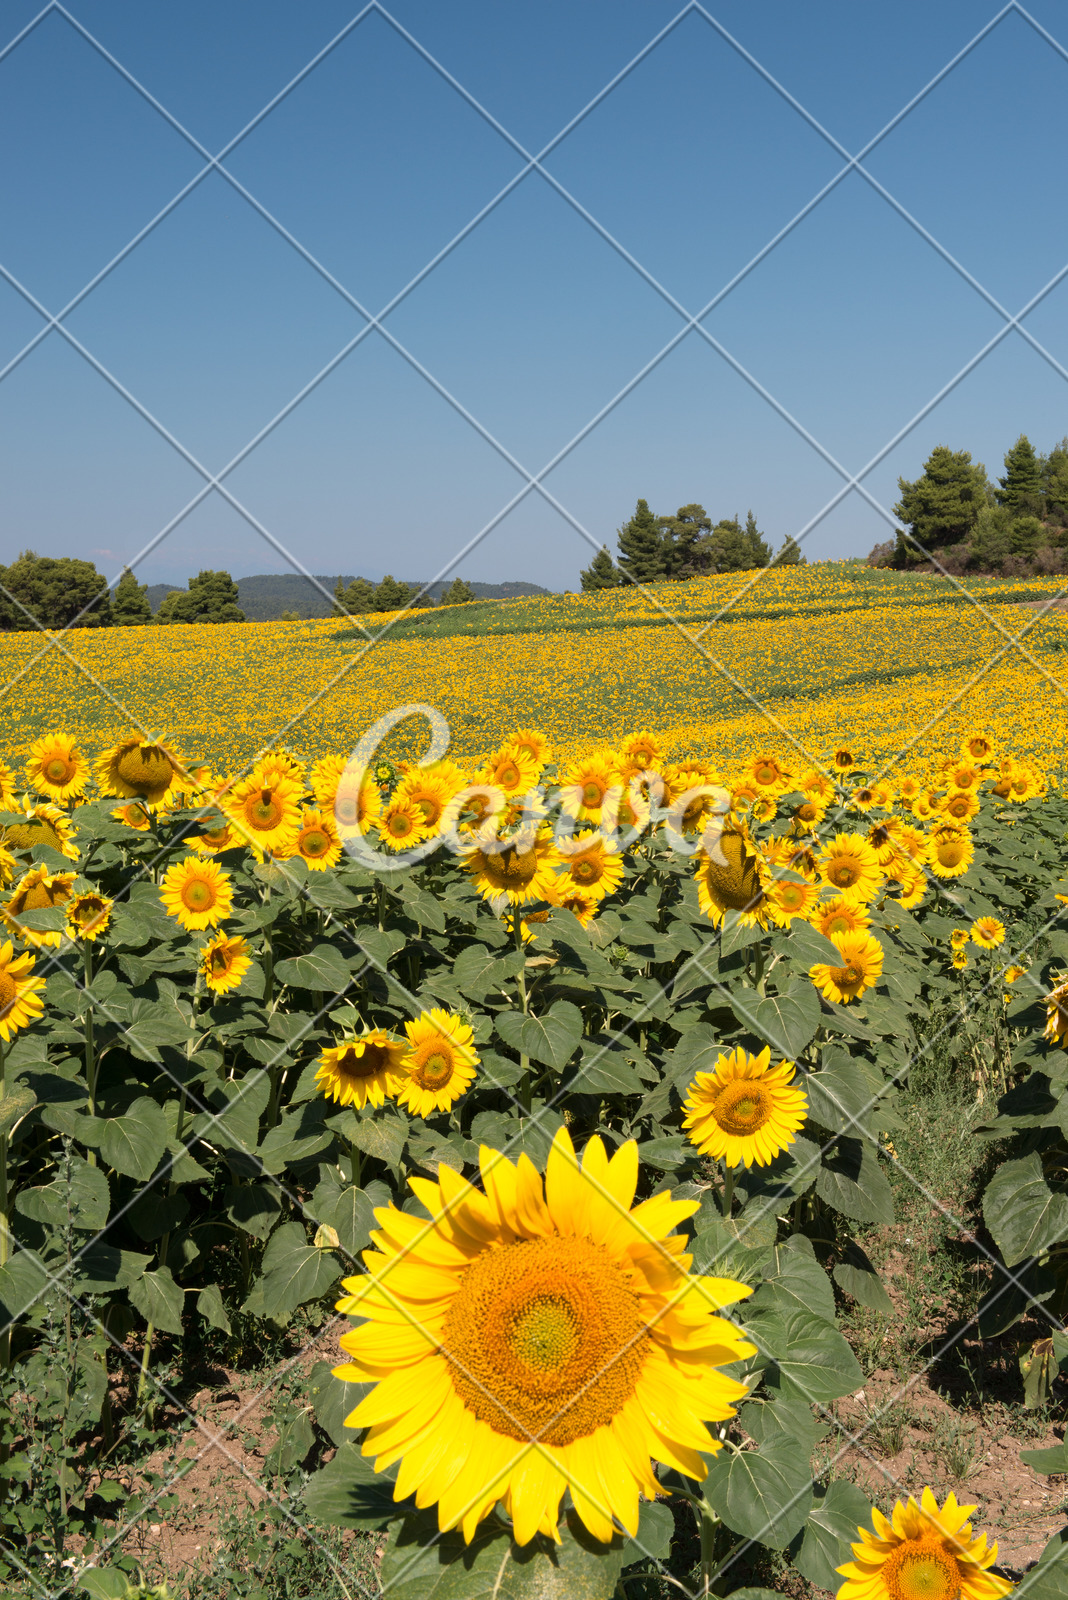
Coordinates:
535 320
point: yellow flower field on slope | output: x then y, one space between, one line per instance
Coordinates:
803 654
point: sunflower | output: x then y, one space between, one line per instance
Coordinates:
357 805
851 866
625 808
950 851
1013 973
7 787
1023 785
839 915
922 808
763 809
281 766
961 805
197 892
960 959
742 797
787 900
744 1110
213 841
584 785
531 742
640 752
1056 1030
317 843
88 915
862 964
922 1553
440 1062
511 771
134 815
908 790
884 796
56 767
20 999
402 824
364 1070
36 890
582 905
265 810
325 776
987 933
44 823
842 761
729 879
963 775
431 788
514 873
8 865
912 880
816 786
224 962
977 747
589 864
137 767
958 938
528 1340
862 798
766 773
807 816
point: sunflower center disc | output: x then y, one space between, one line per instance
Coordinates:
544 1338
145 769
586 871
197 895
920 1569
264 814
37 898
8 993
734 887
844 876
220 962
592 794
508 778
315 844
513 868
57 770
435 1071
373 1058
742 1108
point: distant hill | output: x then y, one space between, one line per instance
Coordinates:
265 597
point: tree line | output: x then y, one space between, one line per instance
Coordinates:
55 591
956 517
655 548
362 596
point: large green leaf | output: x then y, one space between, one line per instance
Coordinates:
233 1122
347 1209
550 1039
420 1564
211 1308
843 1097
322 968
605 1072
794 1281
159 1299
770 1421
381 1135
1021 1211
852 1181
656 1529
19 1099
477 970
812 1361
349 1493
334 1399
762 1494
784 1021
85 1199
134 1142
294 1272
1048 1579
856 1275
837 1514
253 1207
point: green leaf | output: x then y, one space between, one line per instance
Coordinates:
334 1399
695 1052
100 1267
19 1099
233 1123
134 1142
296 1436
211 1308
656 1529
1048 1579
159 1299
843 1097
550 1039
605 1072
856 1275
420 1564
86 1199
1054 1460
105 1583
785 1021
294 1271
253 1207
809 948
734 935
155 1213
794 1281
380 1136
837 1513
812 1361
349 1210
322 968
476 970
349 1493
1022 1213
762 1494
771 1421
853 1182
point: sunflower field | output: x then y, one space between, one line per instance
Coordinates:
570 1080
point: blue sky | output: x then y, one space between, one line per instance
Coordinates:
535 321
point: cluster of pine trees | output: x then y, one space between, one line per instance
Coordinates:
362 596
655 548
957 518
55 591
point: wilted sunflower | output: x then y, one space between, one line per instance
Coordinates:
787 900
950 850
839 915
20 999
265 810
589 864
440 1062
36 890
402 824
56 767
532 1339
137 768
584 786
317 843
224 962
922 1553
729 879
1056 1030
851 867
987 933
363 1070
198 893
745 1110
516 873
42 824
88 915
134 815
862 965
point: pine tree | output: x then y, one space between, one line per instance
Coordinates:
790 555
357 599
130 607
56 590
759 546
458 593
642 548
682 535
210 598
391 595
1021 487
1056 482
942 507
602 572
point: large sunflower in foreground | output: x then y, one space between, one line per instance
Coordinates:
922 1552
729 879
42 824
137 768
861 966
20 999
744 1110
364 1070
265 810
56 767
537 1337
198 893
1056 1030
516 873
317 843
589 864
440 1062
851 867
36 890
950 850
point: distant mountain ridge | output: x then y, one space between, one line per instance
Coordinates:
266 596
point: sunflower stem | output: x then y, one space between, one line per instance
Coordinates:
90 1046
5 1237
727 1197
710 1526
354 1157
524 998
